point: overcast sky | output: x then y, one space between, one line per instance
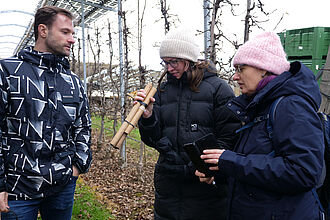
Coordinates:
14 18
297 14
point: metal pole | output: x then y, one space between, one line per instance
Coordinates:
83 40
207 33
247 19
122 85
96 5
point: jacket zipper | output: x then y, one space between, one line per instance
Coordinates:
178 117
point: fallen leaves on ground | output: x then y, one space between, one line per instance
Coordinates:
127 193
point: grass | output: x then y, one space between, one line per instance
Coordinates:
86 203
108 124
87 206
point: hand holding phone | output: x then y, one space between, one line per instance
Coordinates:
195 156
195 150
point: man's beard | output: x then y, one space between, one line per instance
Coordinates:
56 49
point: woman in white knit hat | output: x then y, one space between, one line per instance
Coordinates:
187 106
276 165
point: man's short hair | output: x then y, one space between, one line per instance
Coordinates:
47 15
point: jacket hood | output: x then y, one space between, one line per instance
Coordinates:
299 80
44 60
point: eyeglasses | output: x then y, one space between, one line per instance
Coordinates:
172 63
238 69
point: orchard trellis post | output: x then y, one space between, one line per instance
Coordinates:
122 85
207 33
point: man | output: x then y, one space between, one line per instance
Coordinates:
45 124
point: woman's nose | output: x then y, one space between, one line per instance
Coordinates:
169 68
235 76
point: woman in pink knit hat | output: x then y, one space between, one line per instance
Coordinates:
277 163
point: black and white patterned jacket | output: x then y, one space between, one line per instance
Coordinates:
45 125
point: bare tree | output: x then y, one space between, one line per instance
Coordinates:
93 67
126 33
217 36
102 109
97 72
73 59
254 20
79 49
114 83
142 71
113 105
169 19
164 9
247 19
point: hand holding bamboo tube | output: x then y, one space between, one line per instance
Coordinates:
133 117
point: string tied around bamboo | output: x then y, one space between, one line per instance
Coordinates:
134 115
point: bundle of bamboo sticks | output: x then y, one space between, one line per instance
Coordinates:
133 117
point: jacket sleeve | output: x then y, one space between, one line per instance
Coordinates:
82 133
3 107
150 128
298 143
226 123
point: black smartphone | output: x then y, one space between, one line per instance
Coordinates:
195 150
195 156
207 141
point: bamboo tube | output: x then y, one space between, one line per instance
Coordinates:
130 116
140 111
121 140
136 117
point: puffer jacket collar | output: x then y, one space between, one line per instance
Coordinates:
43 60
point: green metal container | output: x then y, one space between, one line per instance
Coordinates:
282 37
308 45
314 64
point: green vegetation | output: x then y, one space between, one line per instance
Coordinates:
87 206
108 124
86 202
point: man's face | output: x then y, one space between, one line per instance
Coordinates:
60 36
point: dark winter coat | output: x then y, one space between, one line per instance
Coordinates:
274 178
45 125
181 116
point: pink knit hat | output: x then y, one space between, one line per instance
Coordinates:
265 52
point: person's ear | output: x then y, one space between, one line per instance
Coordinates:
263 73
186 65
42 30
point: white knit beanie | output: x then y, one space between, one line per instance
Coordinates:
180 43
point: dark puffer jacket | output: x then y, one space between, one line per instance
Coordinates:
273 178
181 116
45 125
